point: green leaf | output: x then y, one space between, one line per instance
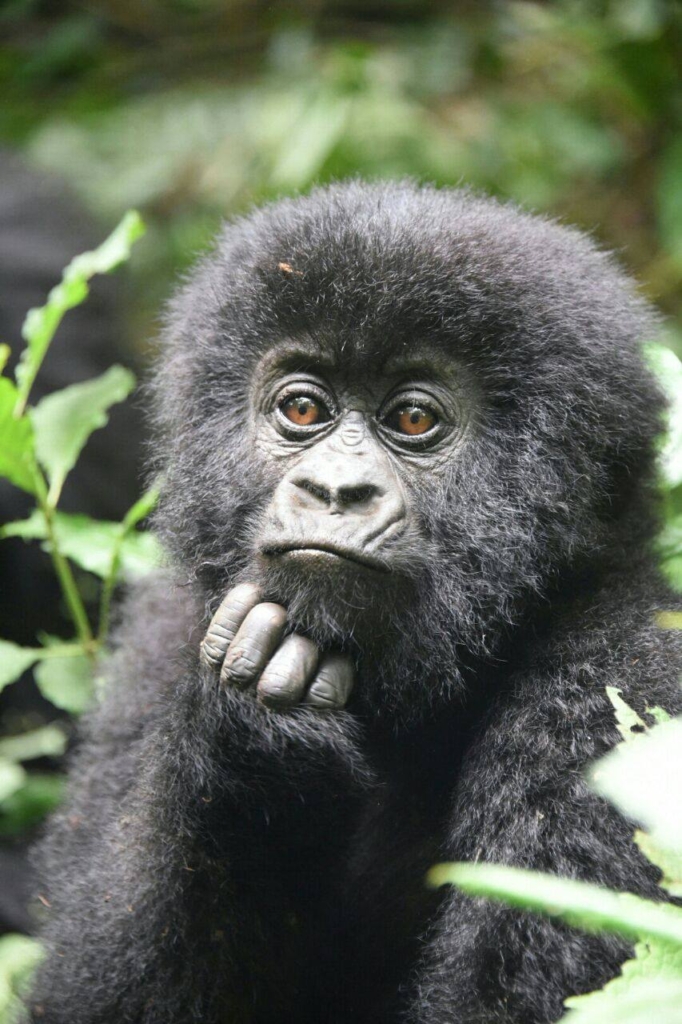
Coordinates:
40 793
143 507
627 719
669 861
91 543
11 778
19 956
66 682
40 324
669 541
14 661
4 356
668 369
16 440
64 420
577 903
311 139
644 779
47 741
660 714
669 199
648 988
672 569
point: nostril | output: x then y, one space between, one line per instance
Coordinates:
317 491
356 495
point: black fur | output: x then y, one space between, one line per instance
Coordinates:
217 862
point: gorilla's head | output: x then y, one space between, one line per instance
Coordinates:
408 413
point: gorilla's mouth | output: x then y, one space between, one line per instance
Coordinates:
328 551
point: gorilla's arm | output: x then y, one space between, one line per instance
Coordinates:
187 795
522 800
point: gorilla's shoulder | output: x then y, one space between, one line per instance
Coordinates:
151 640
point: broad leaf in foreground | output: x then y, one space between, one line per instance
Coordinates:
649 988
12 778
15 660
669 861
628 722
64 421
643 778
581 904
45 741
19 955
668 369
92 543
16 440
41 323
66 682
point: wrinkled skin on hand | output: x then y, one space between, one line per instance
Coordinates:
246 644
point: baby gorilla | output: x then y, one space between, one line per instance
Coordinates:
408 447
244 642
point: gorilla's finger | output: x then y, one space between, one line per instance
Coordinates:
333 683
252 647
224 625
288 672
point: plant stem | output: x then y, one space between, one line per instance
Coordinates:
60 651
63 569
142 507
108 590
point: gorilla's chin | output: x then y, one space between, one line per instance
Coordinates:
336 600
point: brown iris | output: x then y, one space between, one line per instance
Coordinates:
304 411
413 419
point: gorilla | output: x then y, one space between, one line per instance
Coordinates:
408 441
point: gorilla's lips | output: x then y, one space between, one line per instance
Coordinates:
326 550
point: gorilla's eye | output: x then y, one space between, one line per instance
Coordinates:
301 410
411 419
304 411
414 418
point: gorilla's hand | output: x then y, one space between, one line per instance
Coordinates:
244 643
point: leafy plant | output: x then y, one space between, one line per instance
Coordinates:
18 956
39 446
643 778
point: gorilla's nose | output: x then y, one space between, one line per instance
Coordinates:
320 492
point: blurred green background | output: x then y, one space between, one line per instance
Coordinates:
192 110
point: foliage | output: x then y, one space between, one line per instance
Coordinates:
18 957
39 446
194 110
668 367
643 778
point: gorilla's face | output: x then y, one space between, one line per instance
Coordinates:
406 415
350 453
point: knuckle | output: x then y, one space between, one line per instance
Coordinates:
324 697
210 655
275 680
277 696
219 631
240 668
